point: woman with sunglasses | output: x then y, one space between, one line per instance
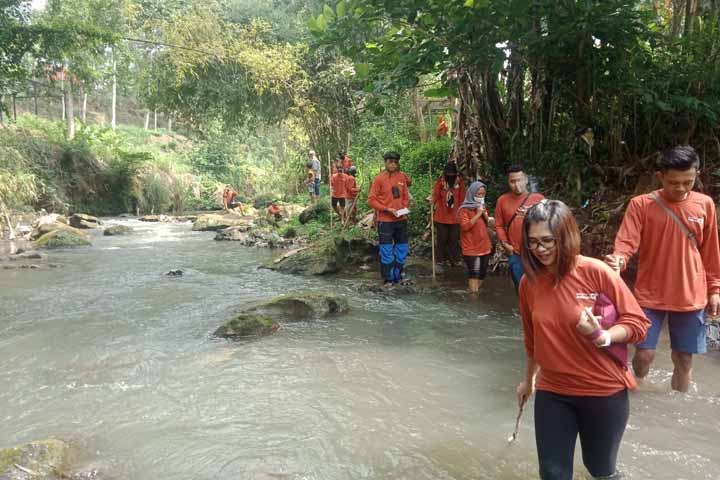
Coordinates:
580 389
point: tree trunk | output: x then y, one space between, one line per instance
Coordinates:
155 120
677 16
147 120
35 99
419 116
689 17
113 122
14 107
62 87
170 124
67 95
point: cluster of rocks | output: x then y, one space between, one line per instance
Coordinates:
266 318
41 460
168 218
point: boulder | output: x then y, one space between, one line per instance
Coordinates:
61 239
325 257
80 220
42 460
214 222
117 230
236 234
44 228
247 325
302 306
314 211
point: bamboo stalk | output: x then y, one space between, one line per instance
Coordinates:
432 220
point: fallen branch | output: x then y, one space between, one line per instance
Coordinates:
289 254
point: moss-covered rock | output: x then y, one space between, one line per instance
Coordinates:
117 230
61 239
42 460
301 306
319 210
235 234
41 230
324 257
247 324
81 220
213 222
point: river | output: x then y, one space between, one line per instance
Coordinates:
117 358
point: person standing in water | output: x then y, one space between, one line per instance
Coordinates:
389 197
448 193
509 212
474 237
581 390
675 231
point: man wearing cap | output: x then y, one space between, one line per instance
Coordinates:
448 194
389 197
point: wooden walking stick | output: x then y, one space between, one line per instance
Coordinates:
330 185
432 220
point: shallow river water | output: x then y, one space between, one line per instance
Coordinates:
117 358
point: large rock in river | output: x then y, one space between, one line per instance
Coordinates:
213 222
44 228
81 220
324 257
61 239
43 460
247 325
301 306
117 230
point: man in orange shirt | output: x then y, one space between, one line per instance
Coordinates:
675 231
447 196
509 214
351 192
389 197
338 192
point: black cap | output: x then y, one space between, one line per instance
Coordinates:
450 169
391 156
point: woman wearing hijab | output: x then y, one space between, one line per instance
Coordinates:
474 237
449 191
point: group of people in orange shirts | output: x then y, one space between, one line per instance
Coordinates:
343 187
578 315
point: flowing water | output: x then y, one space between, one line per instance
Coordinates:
117 358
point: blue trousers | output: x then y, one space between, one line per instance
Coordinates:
394 249
516 269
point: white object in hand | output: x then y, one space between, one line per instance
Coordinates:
401 212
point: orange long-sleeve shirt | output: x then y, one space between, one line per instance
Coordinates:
506 206
569 363
672 274
338 184
351 189
381 195
444 214
474 239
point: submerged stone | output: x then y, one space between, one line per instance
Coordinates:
81 220
41 460
302 306
247 325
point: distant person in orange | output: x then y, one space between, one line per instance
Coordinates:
230 201
310 181
347 161
351 193
338 192
474 237
442 128
274 212
509 213
447 195
675 231
581 390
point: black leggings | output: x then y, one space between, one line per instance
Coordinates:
600 421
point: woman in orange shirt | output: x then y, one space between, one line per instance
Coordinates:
581 390
474 238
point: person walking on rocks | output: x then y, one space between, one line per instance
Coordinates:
338 192
447 195
317 170
476 244
509 213
581 389
675 232
389 197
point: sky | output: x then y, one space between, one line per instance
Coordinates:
38 4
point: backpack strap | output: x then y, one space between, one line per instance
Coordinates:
507 226
675 218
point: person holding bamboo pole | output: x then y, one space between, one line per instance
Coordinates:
389 197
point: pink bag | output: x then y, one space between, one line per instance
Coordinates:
605 309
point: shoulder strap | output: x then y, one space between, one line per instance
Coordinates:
507 226
675 218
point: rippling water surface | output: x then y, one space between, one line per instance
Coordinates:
117 358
